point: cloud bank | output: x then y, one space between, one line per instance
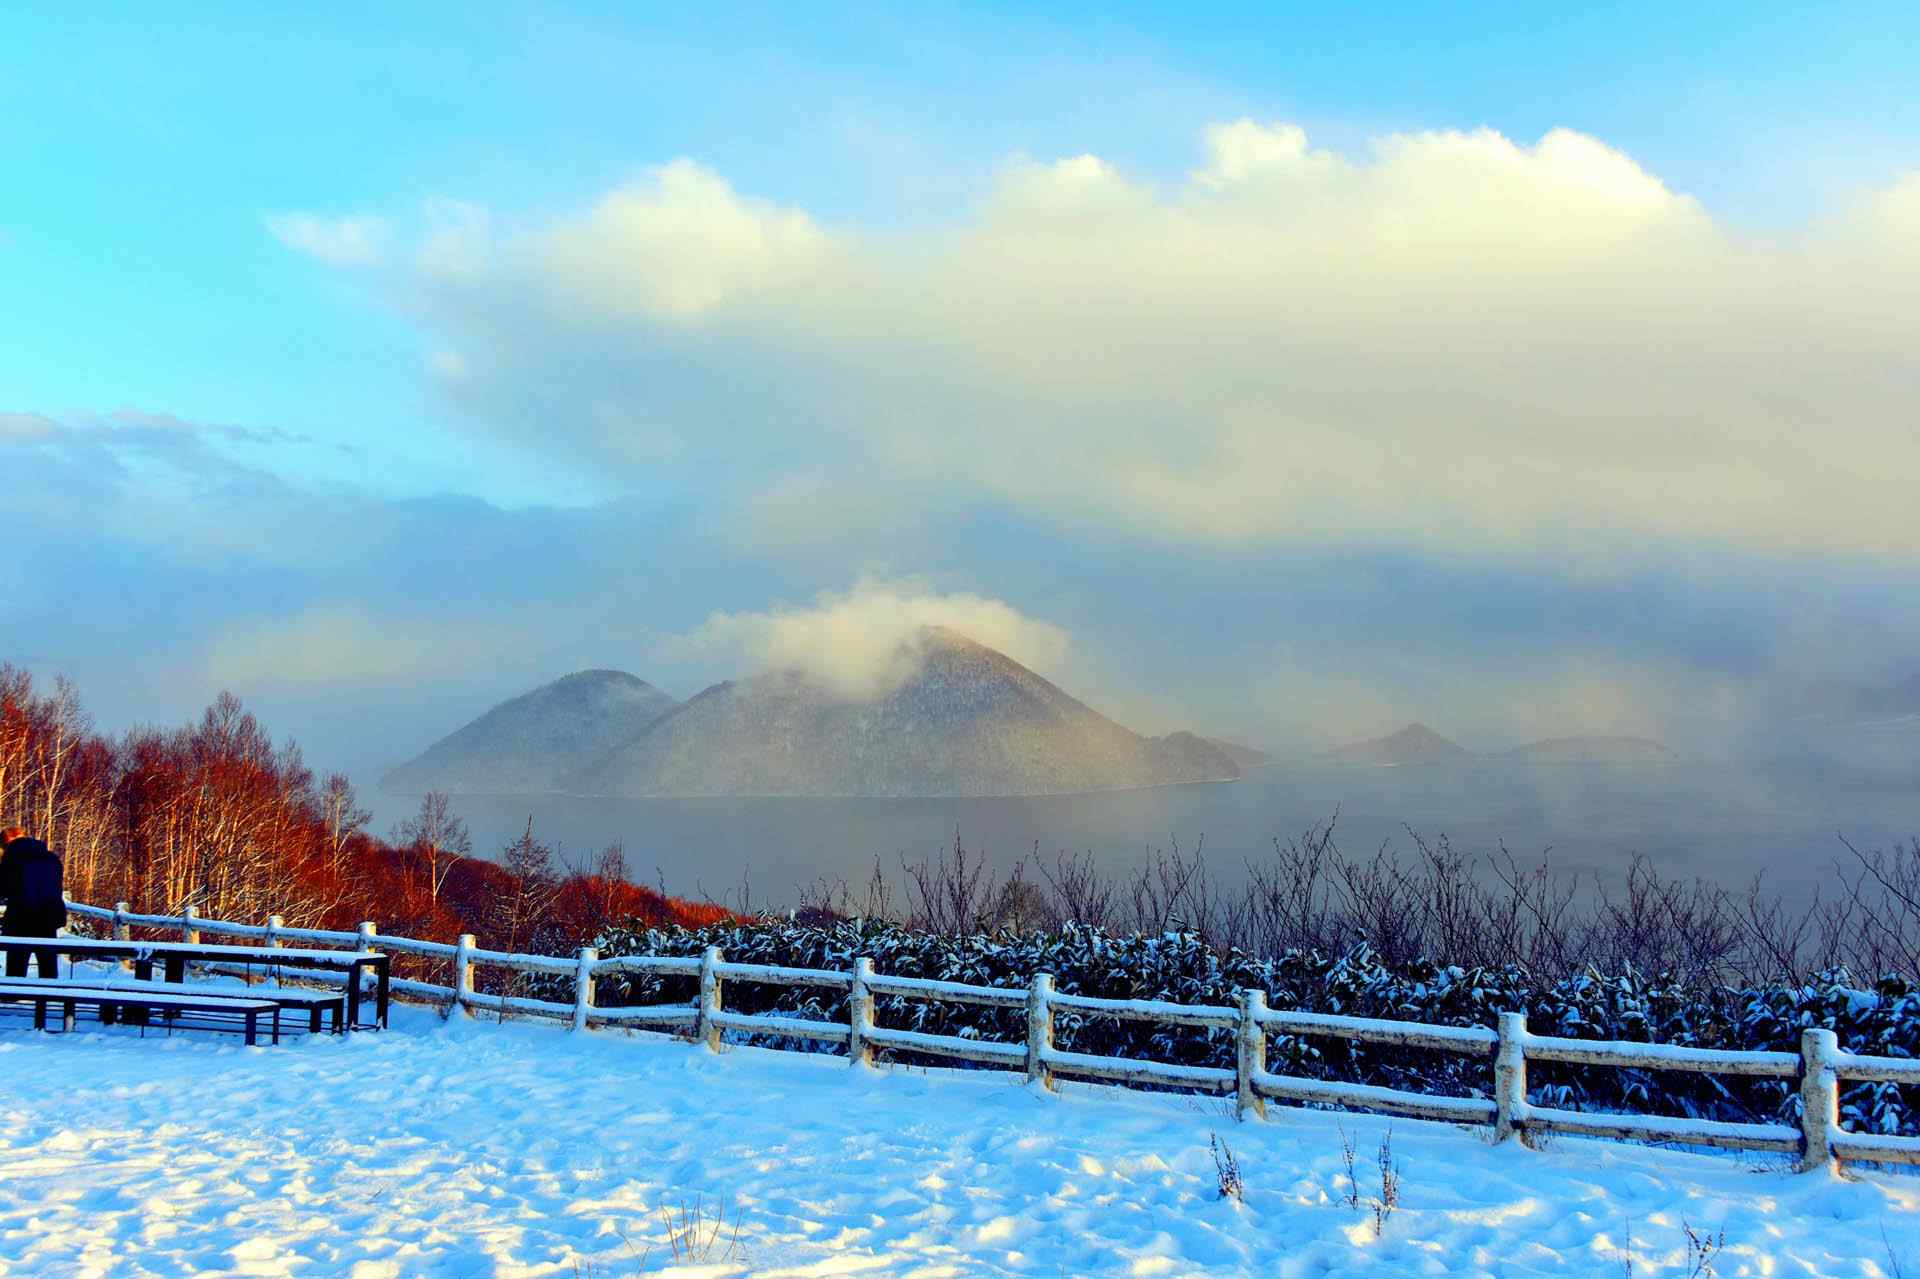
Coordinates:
333 643
1456 340
154 562
862 643
349 241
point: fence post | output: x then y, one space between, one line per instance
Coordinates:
189 932
1819 1097
706 1029
1510 1078
1039 1029
583 987
122 930
274 924
462 976
367 934
860 1015
1250 1056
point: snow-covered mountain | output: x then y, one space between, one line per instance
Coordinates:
969 721
1418 744
1591 750
1245 756
1414 744
526 745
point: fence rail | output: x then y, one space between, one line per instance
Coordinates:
1819 1067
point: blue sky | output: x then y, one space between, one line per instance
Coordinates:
516 337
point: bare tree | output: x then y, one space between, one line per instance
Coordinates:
954 893
343 817
64 728
437 838
1022 905
1171 890
1081 893
531 884
610 872
1884 893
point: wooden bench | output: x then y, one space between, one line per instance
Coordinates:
111 1000
315 1003
174 957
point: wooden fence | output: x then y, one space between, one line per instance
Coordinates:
1819 1067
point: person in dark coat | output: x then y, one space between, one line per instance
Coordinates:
35 897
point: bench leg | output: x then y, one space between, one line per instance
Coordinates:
142 971
252 1017
66 1014
39 1014
313 1022
276 1025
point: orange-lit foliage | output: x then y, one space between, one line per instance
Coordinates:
215 816
586 903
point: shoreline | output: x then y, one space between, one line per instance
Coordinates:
809 795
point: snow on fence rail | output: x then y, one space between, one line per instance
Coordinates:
1819 1066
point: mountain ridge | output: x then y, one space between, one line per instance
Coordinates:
969 721
1591 749
1418 744
525 744
1414 744
1245 756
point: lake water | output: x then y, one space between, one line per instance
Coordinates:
1721 821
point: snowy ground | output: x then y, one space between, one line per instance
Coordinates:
474 1149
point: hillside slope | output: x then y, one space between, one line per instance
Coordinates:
970 721
526 745
1245 756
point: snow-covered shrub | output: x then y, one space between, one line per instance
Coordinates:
1180 967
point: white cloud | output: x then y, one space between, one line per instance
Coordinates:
863 643
348 241
23 427
680 244
458 245
1453 340
329 643
1497 700
448 366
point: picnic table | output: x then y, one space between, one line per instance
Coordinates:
150 998
174 956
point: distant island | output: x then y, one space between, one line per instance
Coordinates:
969 721
1414 744
1418 744
1592 750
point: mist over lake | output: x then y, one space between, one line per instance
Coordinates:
1723 821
